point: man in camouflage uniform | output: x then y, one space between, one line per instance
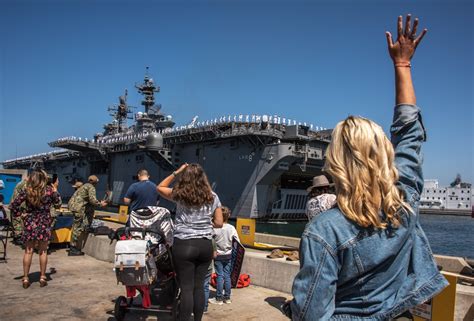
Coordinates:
17 222
82 204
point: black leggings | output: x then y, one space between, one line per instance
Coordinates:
191 260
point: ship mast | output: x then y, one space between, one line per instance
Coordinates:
152 119
120 112
148 90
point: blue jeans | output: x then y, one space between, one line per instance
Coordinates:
223 270
207 280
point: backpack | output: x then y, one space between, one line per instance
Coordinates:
134 264
243 282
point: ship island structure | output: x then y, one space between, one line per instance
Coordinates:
259 165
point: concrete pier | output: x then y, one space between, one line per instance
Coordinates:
83 288
278 274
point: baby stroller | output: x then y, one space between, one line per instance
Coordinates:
143 262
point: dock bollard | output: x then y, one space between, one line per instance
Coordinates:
123 214
246 231
441 307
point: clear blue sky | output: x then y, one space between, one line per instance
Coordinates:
62 63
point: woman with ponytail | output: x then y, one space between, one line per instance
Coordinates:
38 197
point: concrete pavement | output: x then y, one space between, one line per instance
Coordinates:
83 288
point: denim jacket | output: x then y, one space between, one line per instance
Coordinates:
351 273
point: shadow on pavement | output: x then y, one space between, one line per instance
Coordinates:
276 301
35 276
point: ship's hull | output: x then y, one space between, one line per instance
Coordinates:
266 180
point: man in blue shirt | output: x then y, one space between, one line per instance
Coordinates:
142 193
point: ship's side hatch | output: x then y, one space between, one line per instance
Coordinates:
291 198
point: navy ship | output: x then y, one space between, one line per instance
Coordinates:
259 165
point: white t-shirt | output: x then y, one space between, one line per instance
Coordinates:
224 237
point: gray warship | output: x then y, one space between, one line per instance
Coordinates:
259 165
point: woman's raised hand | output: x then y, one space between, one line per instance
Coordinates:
182 168
403 49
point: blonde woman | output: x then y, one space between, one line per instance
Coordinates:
38 197
369 259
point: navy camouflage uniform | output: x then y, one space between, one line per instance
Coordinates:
82 204
17 222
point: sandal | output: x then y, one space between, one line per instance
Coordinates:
26 283
43 281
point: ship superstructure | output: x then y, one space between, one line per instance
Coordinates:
259 165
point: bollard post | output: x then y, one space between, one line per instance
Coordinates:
440 307
246 231
123 214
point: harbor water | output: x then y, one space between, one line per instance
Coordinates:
448 235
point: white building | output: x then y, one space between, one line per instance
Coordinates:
451 198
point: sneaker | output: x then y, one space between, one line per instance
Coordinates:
215 301
227 301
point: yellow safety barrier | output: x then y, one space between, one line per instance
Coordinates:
61 235
441 307
123 214
246 231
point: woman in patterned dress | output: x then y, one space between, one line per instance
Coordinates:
37 197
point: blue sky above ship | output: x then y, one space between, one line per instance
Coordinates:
63 63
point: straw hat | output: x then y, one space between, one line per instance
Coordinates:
319 181
275 254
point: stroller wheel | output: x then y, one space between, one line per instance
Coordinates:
120 308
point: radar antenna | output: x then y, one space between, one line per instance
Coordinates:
148 90
121 112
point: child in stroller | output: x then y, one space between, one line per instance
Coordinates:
143 262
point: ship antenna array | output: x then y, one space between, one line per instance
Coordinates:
148 90
121 111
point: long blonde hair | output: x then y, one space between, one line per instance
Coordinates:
360 160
